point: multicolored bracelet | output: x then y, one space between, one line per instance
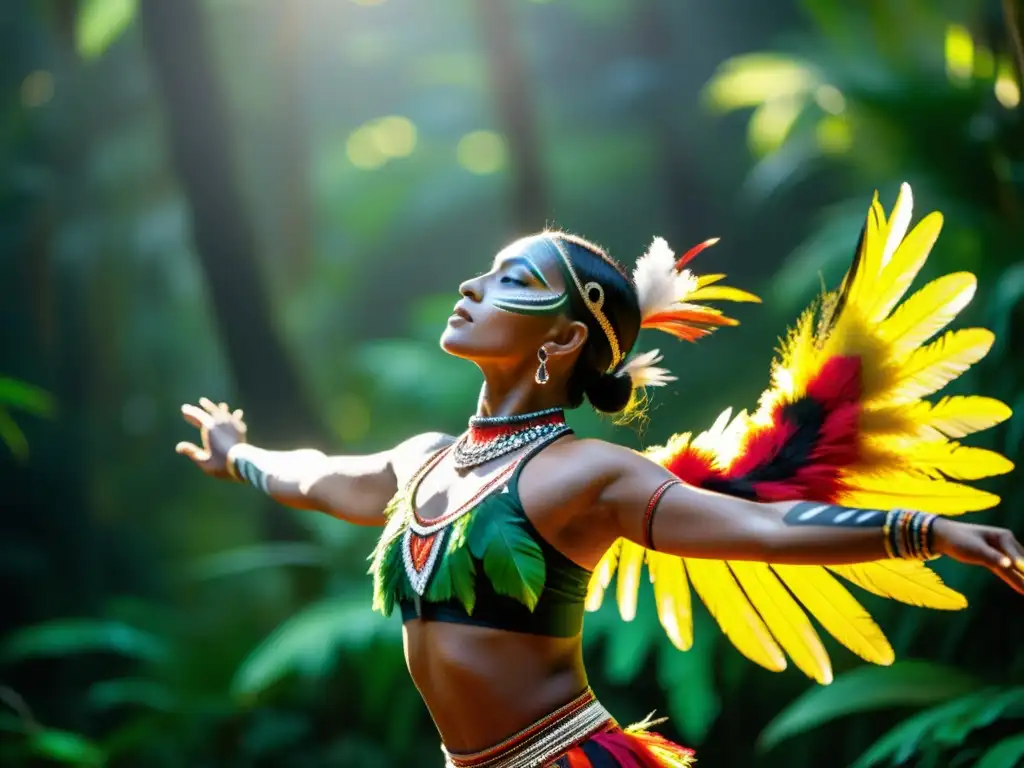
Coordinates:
909 534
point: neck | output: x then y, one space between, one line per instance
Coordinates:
506 395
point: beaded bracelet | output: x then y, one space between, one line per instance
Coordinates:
909 535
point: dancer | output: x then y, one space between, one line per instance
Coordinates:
494 542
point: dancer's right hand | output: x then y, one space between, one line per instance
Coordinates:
219 429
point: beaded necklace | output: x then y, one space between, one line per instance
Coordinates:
490 437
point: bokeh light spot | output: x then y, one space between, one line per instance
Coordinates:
37 88
1007 89
363 151
830 99
959 52
834 135
395 136
481 152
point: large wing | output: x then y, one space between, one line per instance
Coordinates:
844 421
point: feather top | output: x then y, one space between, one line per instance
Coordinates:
667 292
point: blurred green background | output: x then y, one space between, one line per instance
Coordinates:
273 202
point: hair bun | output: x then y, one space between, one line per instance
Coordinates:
609 393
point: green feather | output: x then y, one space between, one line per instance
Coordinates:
461 565
387 568
512 560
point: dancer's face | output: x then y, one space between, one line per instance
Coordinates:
508 313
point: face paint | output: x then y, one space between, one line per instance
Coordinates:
552 304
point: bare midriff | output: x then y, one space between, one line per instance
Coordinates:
482 685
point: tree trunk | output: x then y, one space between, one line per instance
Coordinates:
516 114
268 385
684 203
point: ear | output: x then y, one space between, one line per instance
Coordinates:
566 342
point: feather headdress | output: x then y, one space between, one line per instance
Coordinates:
667 292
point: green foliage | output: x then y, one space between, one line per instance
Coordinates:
907 683
100 23
309 641
63 637
1008 753
18 395
66 748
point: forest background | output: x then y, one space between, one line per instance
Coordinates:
272 203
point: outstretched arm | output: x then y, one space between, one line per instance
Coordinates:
352 488
697 523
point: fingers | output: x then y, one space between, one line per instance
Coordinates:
197 417
1011 576
237 414
1006 560
192 451
1013 550
211 408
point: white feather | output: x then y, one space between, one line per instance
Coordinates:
643 373
658 285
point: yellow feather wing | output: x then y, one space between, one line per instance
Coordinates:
906 457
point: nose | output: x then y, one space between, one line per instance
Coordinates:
472 289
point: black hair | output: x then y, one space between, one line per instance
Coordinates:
606 392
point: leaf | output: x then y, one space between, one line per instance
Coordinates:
108 694
901 741
100 23
512 560
64 637
243 560
308 641
25 397
12 436
688 679
66 747
1008 753
905 683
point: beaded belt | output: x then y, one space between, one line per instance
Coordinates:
545 740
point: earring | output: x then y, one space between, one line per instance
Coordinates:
542 369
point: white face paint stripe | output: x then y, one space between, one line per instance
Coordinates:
812 512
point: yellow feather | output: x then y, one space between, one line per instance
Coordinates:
954 461
908 581
901 270
602 576
928 311
672 598
787 621
837 610
896 227
735 615
631 560
932 367
703 280
722 293
960 415
868 263
887 490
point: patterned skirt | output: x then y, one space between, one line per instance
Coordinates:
580 734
